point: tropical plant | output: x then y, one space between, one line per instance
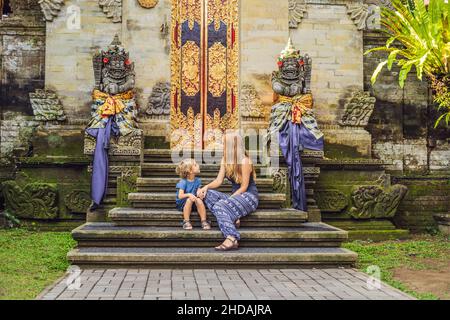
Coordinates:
423 34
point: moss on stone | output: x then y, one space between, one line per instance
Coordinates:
378 235
71 175
54 160
338 151
154 142
57 145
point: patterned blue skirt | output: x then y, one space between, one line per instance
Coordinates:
227 209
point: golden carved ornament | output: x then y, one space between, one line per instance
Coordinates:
217 69
191 10
191 69
186 130
148 4
183 74
217 11
216 127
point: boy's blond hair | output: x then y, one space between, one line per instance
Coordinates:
184 168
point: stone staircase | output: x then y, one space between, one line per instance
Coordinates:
149 233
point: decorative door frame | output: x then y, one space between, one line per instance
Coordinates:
204 72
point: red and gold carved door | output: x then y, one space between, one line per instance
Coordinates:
205 72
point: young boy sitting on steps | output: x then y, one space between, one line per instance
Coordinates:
187 188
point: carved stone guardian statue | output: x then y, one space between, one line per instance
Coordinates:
292 118
113 109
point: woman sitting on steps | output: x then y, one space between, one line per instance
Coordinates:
237 167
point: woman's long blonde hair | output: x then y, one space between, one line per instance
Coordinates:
233 154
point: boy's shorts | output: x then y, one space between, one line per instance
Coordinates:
180 207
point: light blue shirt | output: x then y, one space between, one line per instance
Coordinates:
188 187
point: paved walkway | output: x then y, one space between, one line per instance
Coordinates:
201 284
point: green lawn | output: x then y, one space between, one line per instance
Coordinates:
30 261
421 253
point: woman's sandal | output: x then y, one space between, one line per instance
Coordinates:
223 247
187 225
206 225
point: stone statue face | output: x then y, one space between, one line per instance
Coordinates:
291 69
116 64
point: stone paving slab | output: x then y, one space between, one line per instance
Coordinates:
218 284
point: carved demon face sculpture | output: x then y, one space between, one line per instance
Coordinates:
116 64
291 69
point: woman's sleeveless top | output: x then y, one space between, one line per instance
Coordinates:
251 186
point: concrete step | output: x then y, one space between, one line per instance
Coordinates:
104 234
167 200
209 258
168 184
172 218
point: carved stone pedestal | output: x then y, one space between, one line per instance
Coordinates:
125 158
46 185
311 173
358 196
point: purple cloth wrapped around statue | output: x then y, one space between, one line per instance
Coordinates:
100 163
294 138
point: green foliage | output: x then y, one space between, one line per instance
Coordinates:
423 33
30 261
442 97
390 255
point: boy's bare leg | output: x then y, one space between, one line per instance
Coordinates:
201 209
187 210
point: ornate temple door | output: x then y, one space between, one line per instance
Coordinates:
205 69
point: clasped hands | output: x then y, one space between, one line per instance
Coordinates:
201 193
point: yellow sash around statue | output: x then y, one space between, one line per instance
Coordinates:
300 104
112 104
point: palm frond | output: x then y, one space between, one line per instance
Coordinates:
419 36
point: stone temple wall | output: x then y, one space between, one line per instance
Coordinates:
326 32
331 38
323 29
70 50
62 54
401 133
58 55
22 70
22 57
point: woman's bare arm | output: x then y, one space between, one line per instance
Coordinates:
201 193
219 179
